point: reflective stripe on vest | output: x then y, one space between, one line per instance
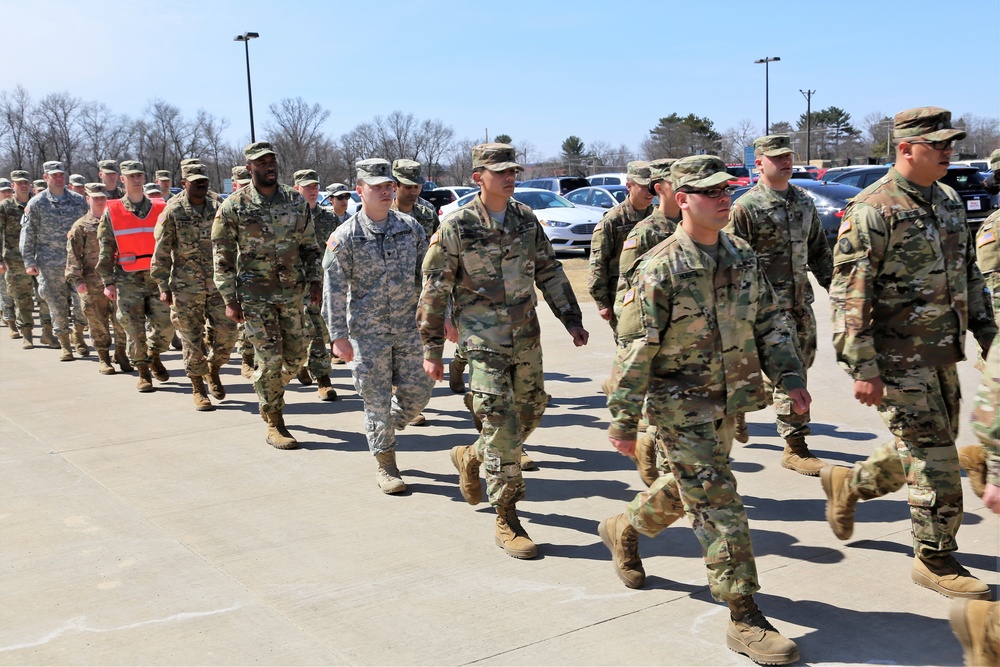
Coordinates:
133 235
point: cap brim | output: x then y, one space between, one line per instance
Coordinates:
945 135
340 192
108 171
639 181
5 187
130 172
406 181
310 182
259 155
55 171
244 181
718 178
503 166
377 180
196 177
20 180
94 194
777 152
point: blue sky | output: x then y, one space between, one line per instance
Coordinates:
539 71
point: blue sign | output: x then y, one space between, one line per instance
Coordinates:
748 159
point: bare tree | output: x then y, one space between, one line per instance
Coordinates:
735 139
57 118
295 129
214 149
983 136
437 139
15 114
105 136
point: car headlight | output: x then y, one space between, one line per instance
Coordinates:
553 223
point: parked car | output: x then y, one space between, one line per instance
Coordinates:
830 199
439 197
569 227
813 171
604 197
740 175
801 172
352 206
859 177
560 184
608 179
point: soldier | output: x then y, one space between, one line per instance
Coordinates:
125 236
643 238
152 190
988 247
324 222
610 234
48 217
372 279
182 266
20 285
108 171
265 253
241 178
708 326
82 255
780 222
340 198
6 302
163 181
486 260
39 185
77 184
905 289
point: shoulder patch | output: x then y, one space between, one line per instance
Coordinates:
845 246
986 238
629 297
630 244
332 244
435 237
845 227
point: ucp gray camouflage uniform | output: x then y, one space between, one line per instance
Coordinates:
44 229
372 280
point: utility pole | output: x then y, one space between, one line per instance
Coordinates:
808 95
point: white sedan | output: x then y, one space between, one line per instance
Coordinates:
569 227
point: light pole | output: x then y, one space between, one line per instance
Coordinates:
767 111
245 38
808 94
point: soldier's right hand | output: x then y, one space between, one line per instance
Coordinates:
605 313
81 289
869 392
234 311
624 447
168 298
111 292
342 348
3 268
434 368
32 270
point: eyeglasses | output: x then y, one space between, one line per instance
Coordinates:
342 197
936 145
714 193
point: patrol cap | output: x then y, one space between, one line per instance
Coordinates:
108 166
54 167
194 172
96 190
259 149
39 184
77 179
19 175
773 145
407 172
495 157
698 172
374 171
132 167
928 123
190 160
152 189
638 172
163 174
5 184
338 189
241 175
305 177
659 169
994 161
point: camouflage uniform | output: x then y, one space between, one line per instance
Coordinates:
82 255
905 289
788 237
19 283
44 228
988 258
6 302
425 215
372 280
138 295
488 271
986 413
644 237
265 256
324 222
182 265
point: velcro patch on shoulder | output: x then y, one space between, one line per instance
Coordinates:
845 227
629 297
435 237
630 244
986 238
332 244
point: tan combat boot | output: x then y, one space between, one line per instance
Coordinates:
525 461
387 475
645 459
200 394
26 342
943 574
215 382
325 388
741 434
419 420
976 623
121 358
464 459
797 457
47 339
973 460
104 363
510 536
277 435
456 376
247 368
159 370
175 342
145 383
304 378
14 333
477 422
840 500
622 540
752 635
67 348
80 342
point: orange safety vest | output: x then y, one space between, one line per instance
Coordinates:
133 235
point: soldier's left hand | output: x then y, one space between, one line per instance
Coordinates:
315 293
450 331
434 368
624 447
32 270
3 268
167 298
580 336
991 497
800 400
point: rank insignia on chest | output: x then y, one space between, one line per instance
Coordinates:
985 238
629 297
331 243
845 227
435 237
630 244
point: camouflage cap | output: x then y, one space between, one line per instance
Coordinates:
152 189
638 172
54 167
495 157
374 171
241 175
96 190
259 149
194 172
39 184
163 175
108 166
190 160
928 123
132 167
305 177
338 189
994 161
698 172
407 172
77 179
773 145
659 169
5 184
19 175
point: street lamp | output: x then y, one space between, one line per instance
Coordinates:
767 111
808 94
245 38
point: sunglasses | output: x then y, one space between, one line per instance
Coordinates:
936 145
342 197
714 193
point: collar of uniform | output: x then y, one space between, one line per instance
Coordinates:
393 224
142 205
632 213
773 196
281 195
190 209
484 214
911 189
693 256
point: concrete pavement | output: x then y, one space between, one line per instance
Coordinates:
134 530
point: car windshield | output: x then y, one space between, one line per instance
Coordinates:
964 180
739 172
536 200
461 192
